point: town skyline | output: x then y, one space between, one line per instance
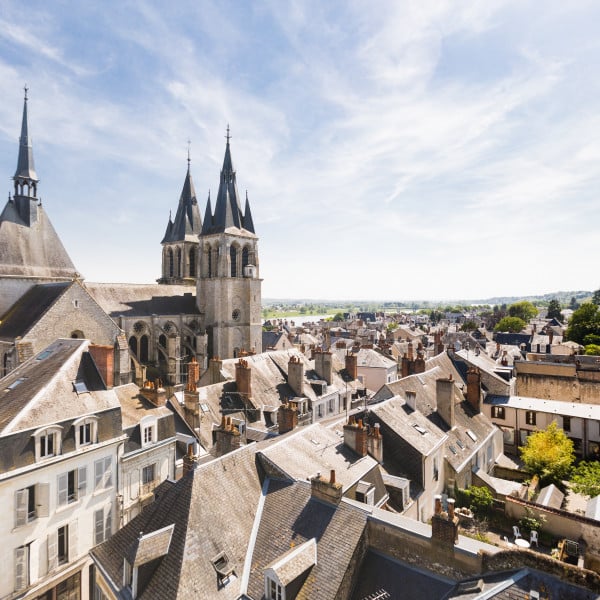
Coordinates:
435 152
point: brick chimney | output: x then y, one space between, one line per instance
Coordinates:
193 370
104 358
328 491
215 364
352 365
444 395
296 375
190 460
324 366
287 418
410 351
419 365
375 443
444 526
474 388
243 379
355 436
154 392
227 437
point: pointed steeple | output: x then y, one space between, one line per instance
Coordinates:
208 217
25 177
187 224
248 222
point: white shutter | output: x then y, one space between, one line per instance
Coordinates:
42 499
164 469
98 526
134 485
22 502
72 533
98 472
63 489
21 568
108 522
107 472
52 550
81 481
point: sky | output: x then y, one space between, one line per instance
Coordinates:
390 150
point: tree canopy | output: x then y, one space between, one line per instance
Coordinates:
586 478
548 454
554 310
510 324
584 321
523 310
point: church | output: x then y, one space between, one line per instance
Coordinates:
206 303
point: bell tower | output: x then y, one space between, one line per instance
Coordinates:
229 286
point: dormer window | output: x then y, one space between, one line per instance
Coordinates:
86 431
47 442
148 431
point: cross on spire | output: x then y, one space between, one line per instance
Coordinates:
26 90
189 144
228 136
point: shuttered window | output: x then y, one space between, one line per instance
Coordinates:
103 473
21 568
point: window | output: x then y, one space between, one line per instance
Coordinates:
86 430
274 590
331 404
62 545
21 568
103 473
71 486
148 474
31 502
85 434
102 524
148 431
566 423
508 435
530 417
47 442
498 412
320 410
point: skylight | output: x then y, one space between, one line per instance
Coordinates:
43 355
80 387
452 449
420 429
471 435
15 383
460 444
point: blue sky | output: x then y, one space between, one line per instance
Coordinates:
391 150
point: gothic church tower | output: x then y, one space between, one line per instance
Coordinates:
180 242
229 287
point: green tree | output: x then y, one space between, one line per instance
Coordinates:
554 310
524 310
586 478
548 454
592 350
584 321
468 325
481 500
338 317
510 324
573 305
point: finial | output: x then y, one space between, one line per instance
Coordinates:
246 195
189 144
209 194
26 90
228 136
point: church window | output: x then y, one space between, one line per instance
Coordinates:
178 262
192 262
171 266
133 344
144 349
245 258
233 255
210 265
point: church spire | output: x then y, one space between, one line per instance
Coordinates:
25 177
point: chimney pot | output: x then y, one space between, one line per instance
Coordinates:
438 504
451 502
332 476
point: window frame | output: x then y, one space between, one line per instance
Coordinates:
71 486
41 442
530 417
89 423
498 412
148 427
103 474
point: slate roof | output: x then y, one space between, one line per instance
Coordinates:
143 300
313 449
28 310
187 224
32 251
289 518
25 164
46 395
206 522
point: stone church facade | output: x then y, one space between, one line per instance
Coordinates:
207 302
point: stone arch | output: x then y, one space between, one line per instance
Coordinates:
178 262
171 265
245 258
233 260
144 344
192 262
133 344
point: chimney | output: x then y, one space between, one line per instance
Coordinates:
474 388
410 351
411 399
296 375
154 392
287 418
375 443
243 379
444 526
352 365
104 359
326 491
227 437
215 364
324 366
419 365
193 369
444 394
405 366
355 436
190 460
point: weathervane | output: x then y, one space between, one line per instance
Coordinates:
228 136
